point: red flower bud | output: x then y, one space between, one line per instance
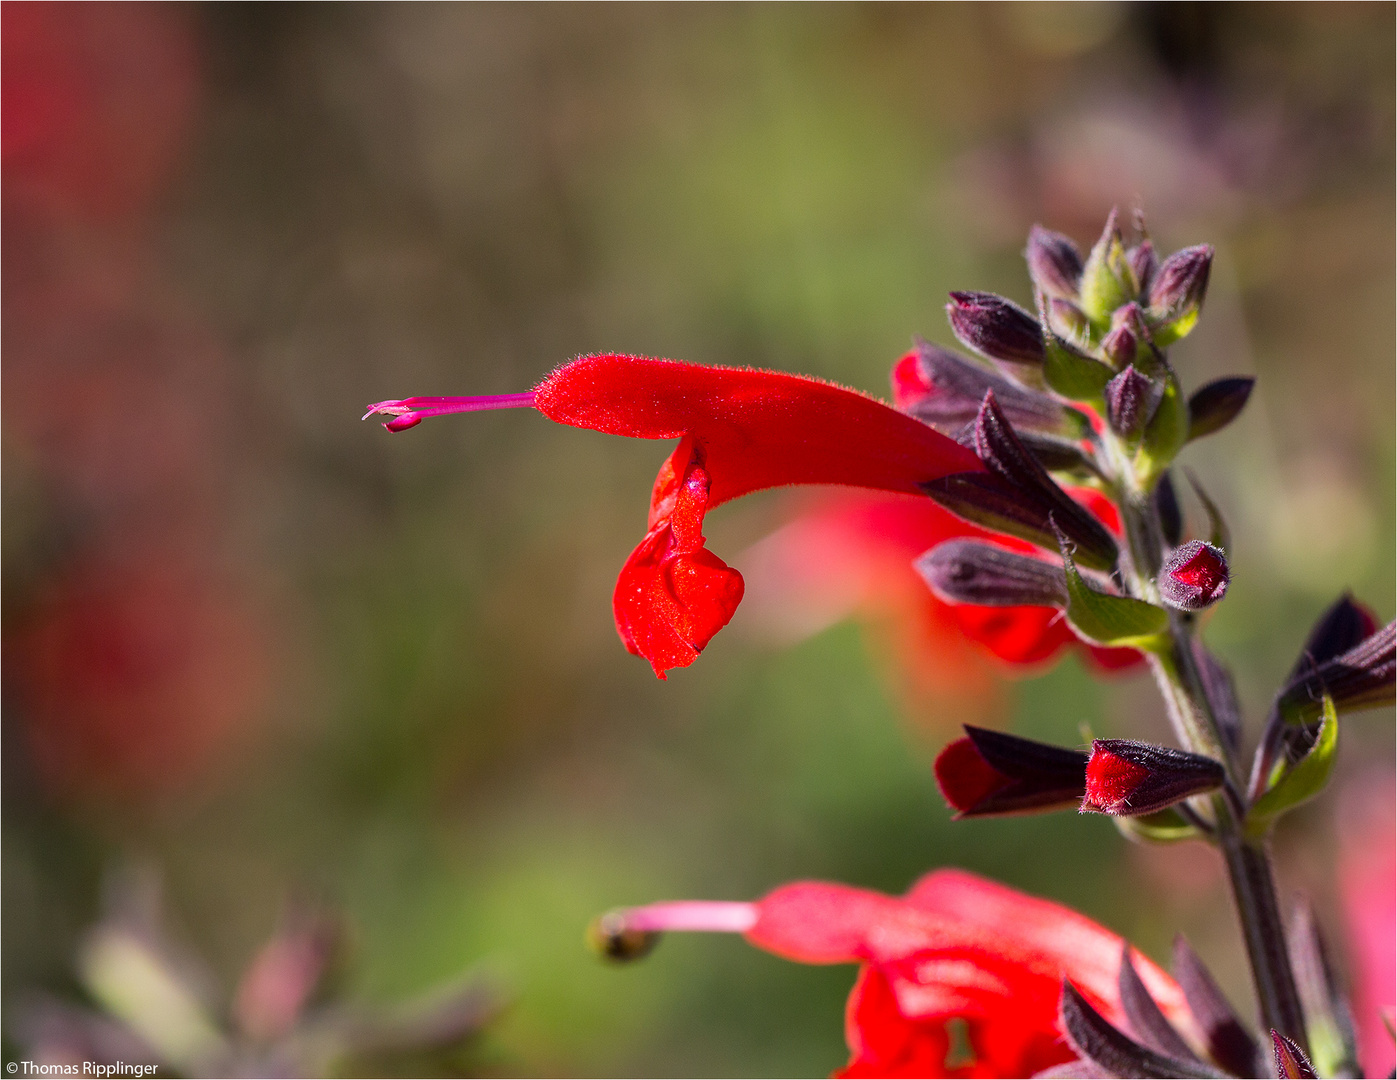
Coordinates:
1195 576
1130 778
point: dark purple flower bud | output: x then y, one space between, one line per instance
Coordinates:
1360 678
1054 263
1176 294
1131 778
1291 1062
996 327
1018 496
1227 1039
1131 399
1095 1040
1120 346
1171 518
1195 576
989 772
1144 262
1214 406
1147 1022
973 572
1342 627
955 387
1068 321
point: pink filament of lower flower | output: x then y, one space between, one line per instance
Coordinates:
715 916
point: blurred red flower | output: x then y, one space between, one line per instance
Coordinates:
1367 875
134 680
846 553
960 977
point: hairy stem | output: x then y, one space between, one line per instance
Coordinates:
1248 863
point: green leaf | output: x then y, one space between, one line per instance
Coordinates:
1111 620
1163 827
1303 781
1069 373
1169 327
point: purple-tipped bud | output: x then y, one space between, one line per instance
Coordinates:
1131 400
1131 778
988 773
996 327
1195 576
1067 320
1120 346
1360 678
1054 263
1144 262
1107 278
973 572
1182 282
1214 406
1177 292
1291 1062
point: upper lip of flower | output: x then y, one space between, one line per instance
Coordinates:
741 430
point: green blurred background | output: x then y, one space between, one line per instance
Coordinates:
270 651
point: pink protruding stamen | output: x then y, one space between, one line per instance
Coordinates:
409 412
715 916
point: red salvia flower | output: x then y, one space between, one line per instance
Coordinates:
960 977
740 430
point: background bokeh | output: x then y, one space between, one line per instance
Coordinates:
264 651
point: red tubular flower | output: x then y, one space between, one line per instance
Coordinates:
740 430
957 952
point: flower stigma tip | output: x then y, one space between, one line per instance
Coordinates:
409 412
631 933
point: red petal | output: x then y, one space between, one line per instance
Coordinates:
673 594
966 778
1020 635
909 384
883 1042
759 429
1062 942
1111 780
819 923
